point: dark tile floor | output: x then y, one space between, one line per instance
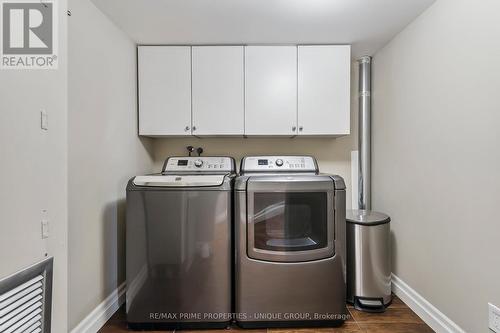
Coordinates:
397 319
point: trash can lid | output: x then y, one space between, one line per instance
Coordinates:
366 217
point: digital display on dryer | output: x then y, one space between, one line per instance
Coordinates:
262 162
182 162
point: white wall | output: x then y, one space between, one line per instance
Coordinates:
436 156
104 152
33 166
333 155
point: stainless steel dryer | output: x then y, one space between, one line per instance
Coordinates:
290 244
178 245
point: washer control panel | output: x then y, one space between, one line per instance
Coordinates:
199 163
279 163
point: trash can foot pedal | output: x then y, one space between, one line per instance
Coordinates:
369 304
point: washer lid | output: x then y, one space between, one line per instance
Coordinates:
179 180
366 217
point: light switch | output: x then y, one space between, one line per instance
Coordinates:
45 229
44 120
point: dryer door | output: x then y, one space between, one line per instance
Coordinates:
290 218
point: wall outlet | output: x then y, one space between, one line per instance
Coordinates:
494 318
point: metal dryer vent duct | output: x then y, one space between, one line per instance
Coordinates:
364 133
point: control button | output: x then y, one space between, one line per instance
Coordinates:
198 163
279 162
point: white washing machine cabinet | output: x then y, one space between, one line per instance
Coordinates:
290 233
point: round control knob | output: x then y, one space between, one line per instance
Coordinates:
198 163
279 162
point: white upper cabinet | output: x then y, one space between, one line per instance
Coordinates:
244 90
271 90
324 89
164 90
218 90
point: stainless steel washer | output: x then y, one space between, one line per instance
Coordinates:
290 244
179 245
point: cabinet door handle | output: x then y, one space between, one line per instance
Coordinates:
301 128
294 128
186 129
194 128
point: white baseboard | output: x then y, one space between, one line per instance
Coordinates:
437 320
101 314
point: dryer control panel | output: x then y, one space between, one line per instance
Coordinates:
208 164
279 164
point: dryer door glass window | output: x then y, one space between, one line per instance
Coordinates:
289 222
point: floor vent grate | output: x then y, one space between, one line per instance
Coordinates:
25 300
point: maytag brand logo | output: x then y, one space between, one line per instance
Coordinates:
28 36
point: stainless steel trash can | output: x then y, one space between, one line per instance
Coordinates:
368 260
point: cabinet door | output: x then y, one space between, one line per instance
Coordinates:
324 73
164 90
270 90
218 90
